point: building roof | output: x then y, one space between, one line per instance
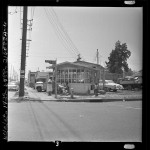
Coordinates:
81 64
89 64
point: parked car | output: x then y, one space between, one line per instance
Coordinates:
110 85
131 82
13 86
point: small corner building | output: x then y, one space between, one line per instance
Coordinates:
80 75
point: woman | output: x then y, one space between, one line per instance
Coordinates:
96 89
49 87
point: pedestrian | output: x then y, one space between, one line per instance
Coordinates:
49 87
67 87
96 89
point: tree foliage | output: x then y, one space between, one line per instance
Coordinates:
118 58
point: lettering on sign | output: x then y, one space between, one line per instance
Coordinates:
22 76
22 71
50 61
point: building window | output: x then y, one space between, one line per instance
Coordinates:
62 80
74 81
87 76
74 76
62 74
70 75
66 74
69 80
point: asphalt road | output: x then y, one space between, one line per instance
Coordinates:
50 121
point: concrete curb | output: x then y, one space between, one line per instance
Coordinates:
88 100
72 100
28 98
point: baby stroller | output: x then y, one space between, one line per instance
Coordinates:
63 90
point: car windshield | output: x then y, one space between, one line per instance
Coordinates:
109 81
106 81
41 80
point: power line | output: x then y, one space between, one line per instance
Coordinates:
57 23
64 31
50 57
57 30
12 13
67 37
60 35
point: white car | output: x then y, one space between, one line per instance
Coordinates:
110 85
13 86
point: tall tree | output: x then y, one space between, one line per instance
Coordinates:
118 58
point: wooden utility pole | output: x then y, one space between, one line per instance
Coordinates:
23 52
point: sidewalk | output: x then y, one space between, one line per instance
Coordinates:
101 98
33 95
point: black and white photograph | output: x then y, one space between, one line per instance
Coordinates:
75 73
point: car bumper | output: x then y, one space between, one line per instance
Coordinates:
12 89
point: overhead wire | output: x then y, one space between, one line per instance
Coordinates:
67 37
12 13
64 31
48 56
12 49
58 33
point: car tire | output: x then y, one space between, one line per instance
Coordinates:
106 89
115 90
129 87
109 89
39 89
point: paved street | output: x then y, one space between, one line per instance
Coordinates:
50 121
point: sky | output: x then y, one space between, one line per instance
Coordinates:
61 33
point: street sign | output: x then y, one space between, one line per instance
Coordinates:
22 76
50 61
50 67
22 71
